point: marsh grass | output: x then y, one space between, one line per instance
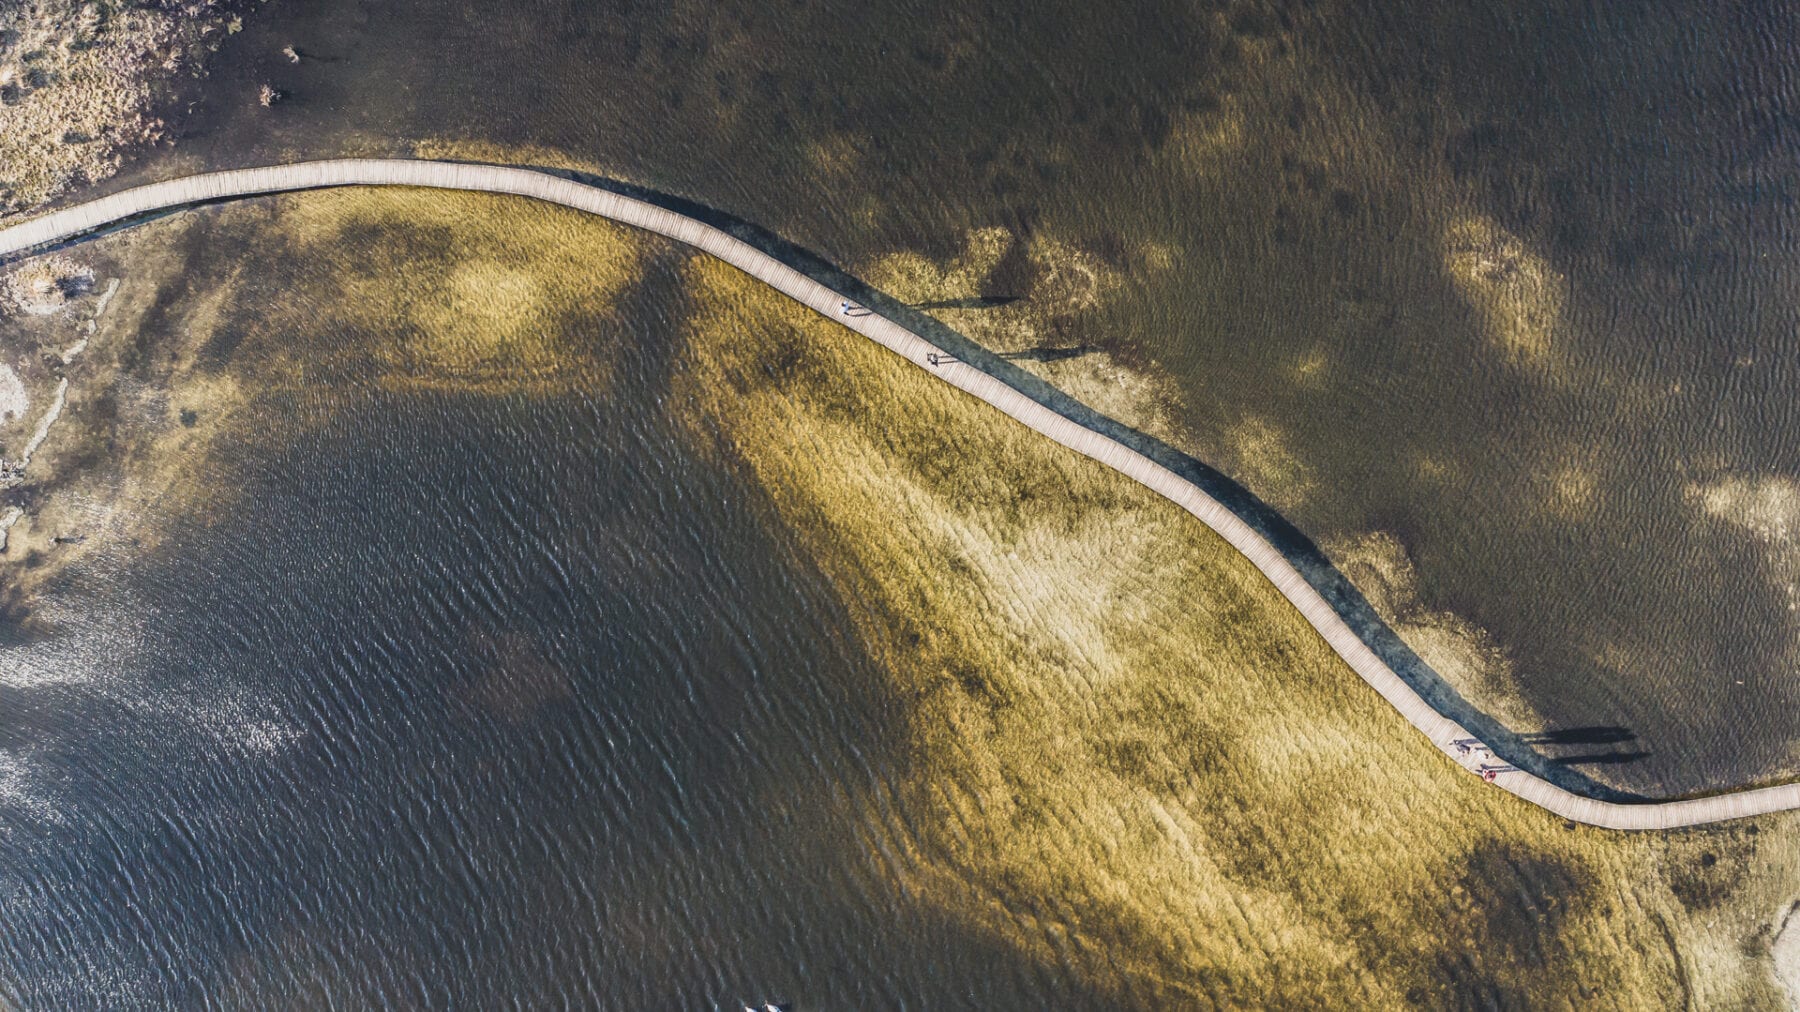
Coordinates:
1130 755
1125 753
78 81
468 292
241 327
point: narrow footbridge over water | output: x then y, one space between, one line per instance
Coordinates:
1452 738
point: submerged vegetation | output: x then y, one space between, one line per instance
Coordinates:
1126 754
1129 755
215 344
489 285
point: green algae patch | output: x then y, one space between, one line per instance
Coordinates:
1128 755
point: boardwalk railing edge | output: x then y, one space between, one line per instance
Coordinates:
1296 568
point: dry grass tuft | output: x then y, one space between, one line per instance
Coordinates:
77 82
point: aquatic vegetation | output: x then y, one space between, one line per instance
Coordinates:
1032 300
115 448
244 326
471 292
1518 292
1125 753
1346 220
1010 293
1766 510
1462 653
1574 490
1130 757
838 156
1262 457
1206 139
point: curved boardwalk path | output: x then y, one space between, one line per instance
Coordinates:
1447 735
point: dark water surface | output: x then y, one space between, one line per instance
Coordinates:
472 702
532 693
1308 171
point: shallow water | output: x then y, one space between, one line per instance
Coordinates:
1327 187
1608 496
472 701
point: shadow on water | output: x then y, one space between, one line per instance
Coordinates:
1048 354
1600 759
1520 749
978 302
125 224
1604 734
1598 735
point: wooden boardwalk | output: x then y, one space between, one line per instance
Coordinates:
1445 734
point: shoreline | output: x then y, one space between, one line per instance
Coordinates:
84 89
58 401
45 421
18 470
1451 738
